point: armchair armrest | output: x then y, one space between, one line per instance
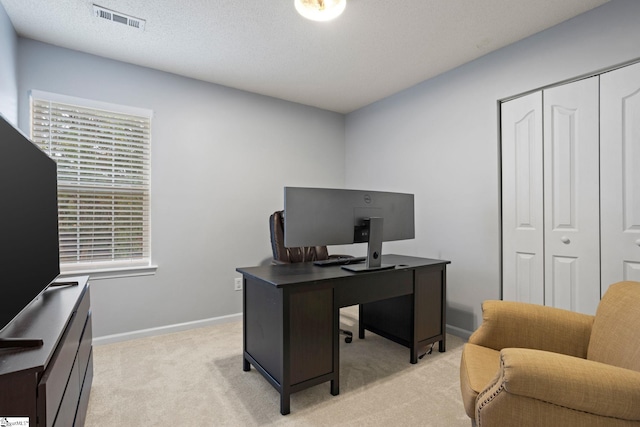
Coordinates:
517 324
568 382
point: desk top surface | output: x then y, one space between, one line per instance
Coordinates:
288 274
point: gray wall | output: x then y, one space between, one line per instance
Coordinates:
220 160
8 84
440 140
222 156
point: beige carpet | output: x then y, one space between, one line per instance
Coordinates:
195 378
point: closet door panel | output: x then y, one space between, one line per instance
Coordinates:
620 175
571 196
522 213
631 271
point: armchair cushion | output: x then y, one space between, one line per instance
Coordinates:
572 382
477 368
545 388
516 324
617 324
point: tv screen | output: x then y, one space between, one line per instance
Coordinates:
29 251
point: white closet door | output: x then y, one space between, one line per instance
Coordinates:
620 175
522 212
571 193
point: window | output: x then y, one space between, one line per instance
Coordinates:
103 157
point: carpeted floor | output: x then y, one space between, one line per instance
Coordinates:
195 378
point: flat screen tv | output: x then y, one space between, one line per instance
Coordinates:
332 216
29 251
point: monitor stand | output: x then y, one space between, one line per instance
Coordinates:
374 250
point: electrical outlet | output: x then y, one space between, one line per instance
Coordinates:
237 284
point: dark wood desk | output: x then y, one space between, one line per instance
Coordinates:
291 316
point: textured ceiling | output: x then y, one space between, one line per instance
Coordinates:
376 48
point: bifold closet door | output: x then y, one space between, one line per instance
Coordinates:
620 175
522 200
571 196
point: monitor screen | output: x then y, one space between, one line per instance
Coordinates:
29 254
329 216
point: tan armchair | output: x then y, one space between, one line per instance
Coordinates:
530 365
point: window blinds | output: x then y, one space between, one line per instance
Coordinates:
103 160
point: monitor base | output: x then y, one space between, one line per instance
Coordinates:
358 268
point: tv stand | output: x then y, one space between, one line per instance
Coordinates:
49 383
25 343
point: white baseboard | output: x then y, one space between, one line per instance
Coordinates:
127 336
459 332
109 339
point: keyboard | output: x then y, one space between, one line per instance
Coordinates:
340 261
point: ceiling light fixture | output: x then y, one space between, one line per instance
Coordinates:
320 10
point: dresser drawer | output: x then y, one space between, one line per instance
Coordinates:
53 383
85 348
69 404
85 390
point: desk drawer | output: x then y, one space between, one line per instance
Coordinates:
311 334
263 325
373 287
297 325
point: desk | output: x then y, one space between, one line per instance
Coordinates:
291 316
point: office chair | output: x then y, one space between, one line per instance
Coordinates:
284 255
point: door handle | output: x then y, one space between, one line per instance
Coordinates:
565 240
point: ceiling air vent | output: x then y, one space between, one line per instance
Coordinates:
110 15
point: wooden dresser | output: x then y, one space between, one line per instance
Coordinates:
50 384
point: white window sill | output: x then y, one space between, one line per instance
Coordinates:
110 272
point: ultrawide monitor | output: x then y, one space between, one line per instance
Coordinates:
329 216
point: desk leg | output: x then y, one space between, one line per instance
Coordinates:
335 387
246 367
360 322
442 344
285 401
335 382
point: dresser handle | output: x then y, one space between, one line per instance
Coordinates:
565 240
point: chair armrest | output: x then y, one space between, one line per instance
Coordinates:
517 324
569 382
